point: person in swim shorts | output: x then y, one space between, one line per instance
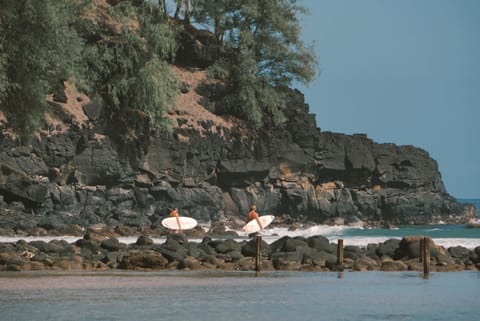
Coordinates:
174 213
253 215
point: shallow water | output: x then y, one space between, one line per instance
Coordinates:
239 296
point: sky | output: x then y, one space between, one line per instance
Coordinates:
404 72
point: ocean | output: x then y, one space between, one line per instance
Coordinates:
227 295
447 235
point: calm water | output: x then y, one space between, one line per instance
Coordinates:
239 296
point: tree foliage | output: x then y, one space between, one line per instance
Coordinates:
217 14
130 70
263 53
185 6
43 43
38 49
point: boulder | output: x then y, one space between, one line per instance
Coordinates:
393 266
459 252
144 240
19 186
112 244
365 264
147 259
249 249
74 263
189 263
228 246
389 247
320 243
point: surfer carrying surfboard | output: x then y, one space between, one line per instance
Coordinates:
253 215
174 213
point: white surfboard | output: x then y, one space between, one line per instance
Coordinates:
252 226
186 223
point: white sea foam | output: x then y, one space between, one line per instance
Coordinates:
469 243
333 233
13 239
325 230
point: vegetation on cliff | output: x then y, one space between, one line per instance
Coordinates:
262 52
120 51
38 49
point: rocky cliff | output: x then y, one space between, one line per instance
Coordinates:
210 166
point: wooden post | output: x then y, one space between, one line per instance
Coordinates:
258 256
340 253
420 256
426 257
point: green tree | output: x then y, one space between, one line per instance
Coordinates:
263 54
185 6
216 14
130 70
38 49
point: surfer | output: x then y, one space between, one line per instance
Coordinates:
174 213
253 215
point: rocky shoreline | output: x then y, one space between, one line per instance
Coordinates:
76 176
96 252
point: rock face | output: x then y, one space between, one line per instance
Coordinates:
211 171
212 167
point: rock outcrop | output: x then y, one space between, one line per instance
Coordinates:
211 167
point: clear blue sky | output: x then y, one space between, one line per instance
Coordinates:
404 72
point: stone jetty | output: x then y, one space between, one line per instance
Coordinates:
177 252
